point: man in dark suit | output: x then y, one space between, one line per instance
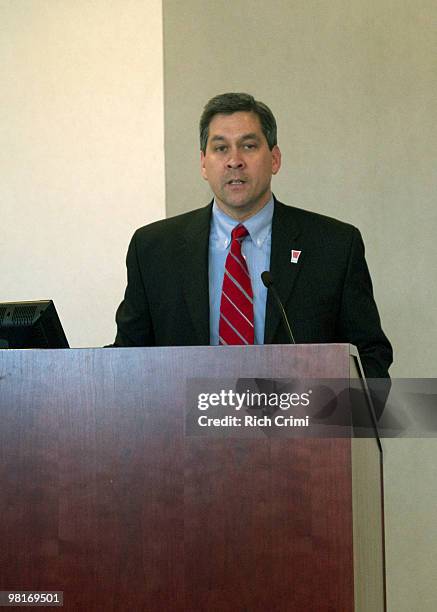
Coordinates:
178 268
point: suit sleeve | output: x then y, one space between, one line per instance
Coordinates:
359 318
134 325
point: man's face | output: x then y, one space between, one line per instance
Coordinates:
238 164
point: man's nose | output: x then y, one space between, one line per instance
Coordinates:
235 161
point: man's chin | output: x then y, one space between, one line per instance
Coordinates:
239 208
234 203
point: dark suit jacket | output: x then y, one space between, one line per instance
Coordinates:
327 295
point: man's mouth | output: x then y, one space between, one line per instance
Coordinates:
236 182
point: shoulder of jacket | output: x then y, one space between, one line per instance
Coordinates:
171 226
317 221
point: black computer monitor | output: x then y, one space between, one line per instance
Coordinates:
31 325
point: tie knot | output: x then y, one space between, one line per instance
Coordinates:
239 232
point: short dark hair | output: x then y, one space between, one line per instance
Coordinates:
229 103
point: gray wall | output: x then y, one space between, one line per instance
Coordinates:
353 84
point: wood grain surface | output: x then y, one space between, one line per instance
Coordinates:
104 497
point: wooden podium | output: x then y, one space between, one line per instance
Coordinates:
103 495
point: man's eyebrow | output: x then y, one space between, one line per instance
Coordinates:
250 136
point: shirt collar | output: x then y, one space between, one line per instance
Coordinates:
259 226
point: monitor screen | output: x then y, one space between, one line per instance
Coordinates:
31 325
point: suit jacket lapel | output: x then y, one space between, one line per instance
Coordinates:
285 234
193 258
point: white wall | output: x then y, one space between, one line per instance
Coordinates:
81 152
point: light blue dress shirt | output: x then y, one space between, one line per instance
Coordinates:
256 249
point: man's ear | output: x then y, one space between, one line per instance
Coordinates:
202 165
276 159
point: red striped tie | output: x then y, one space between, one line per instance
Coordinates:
236 306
